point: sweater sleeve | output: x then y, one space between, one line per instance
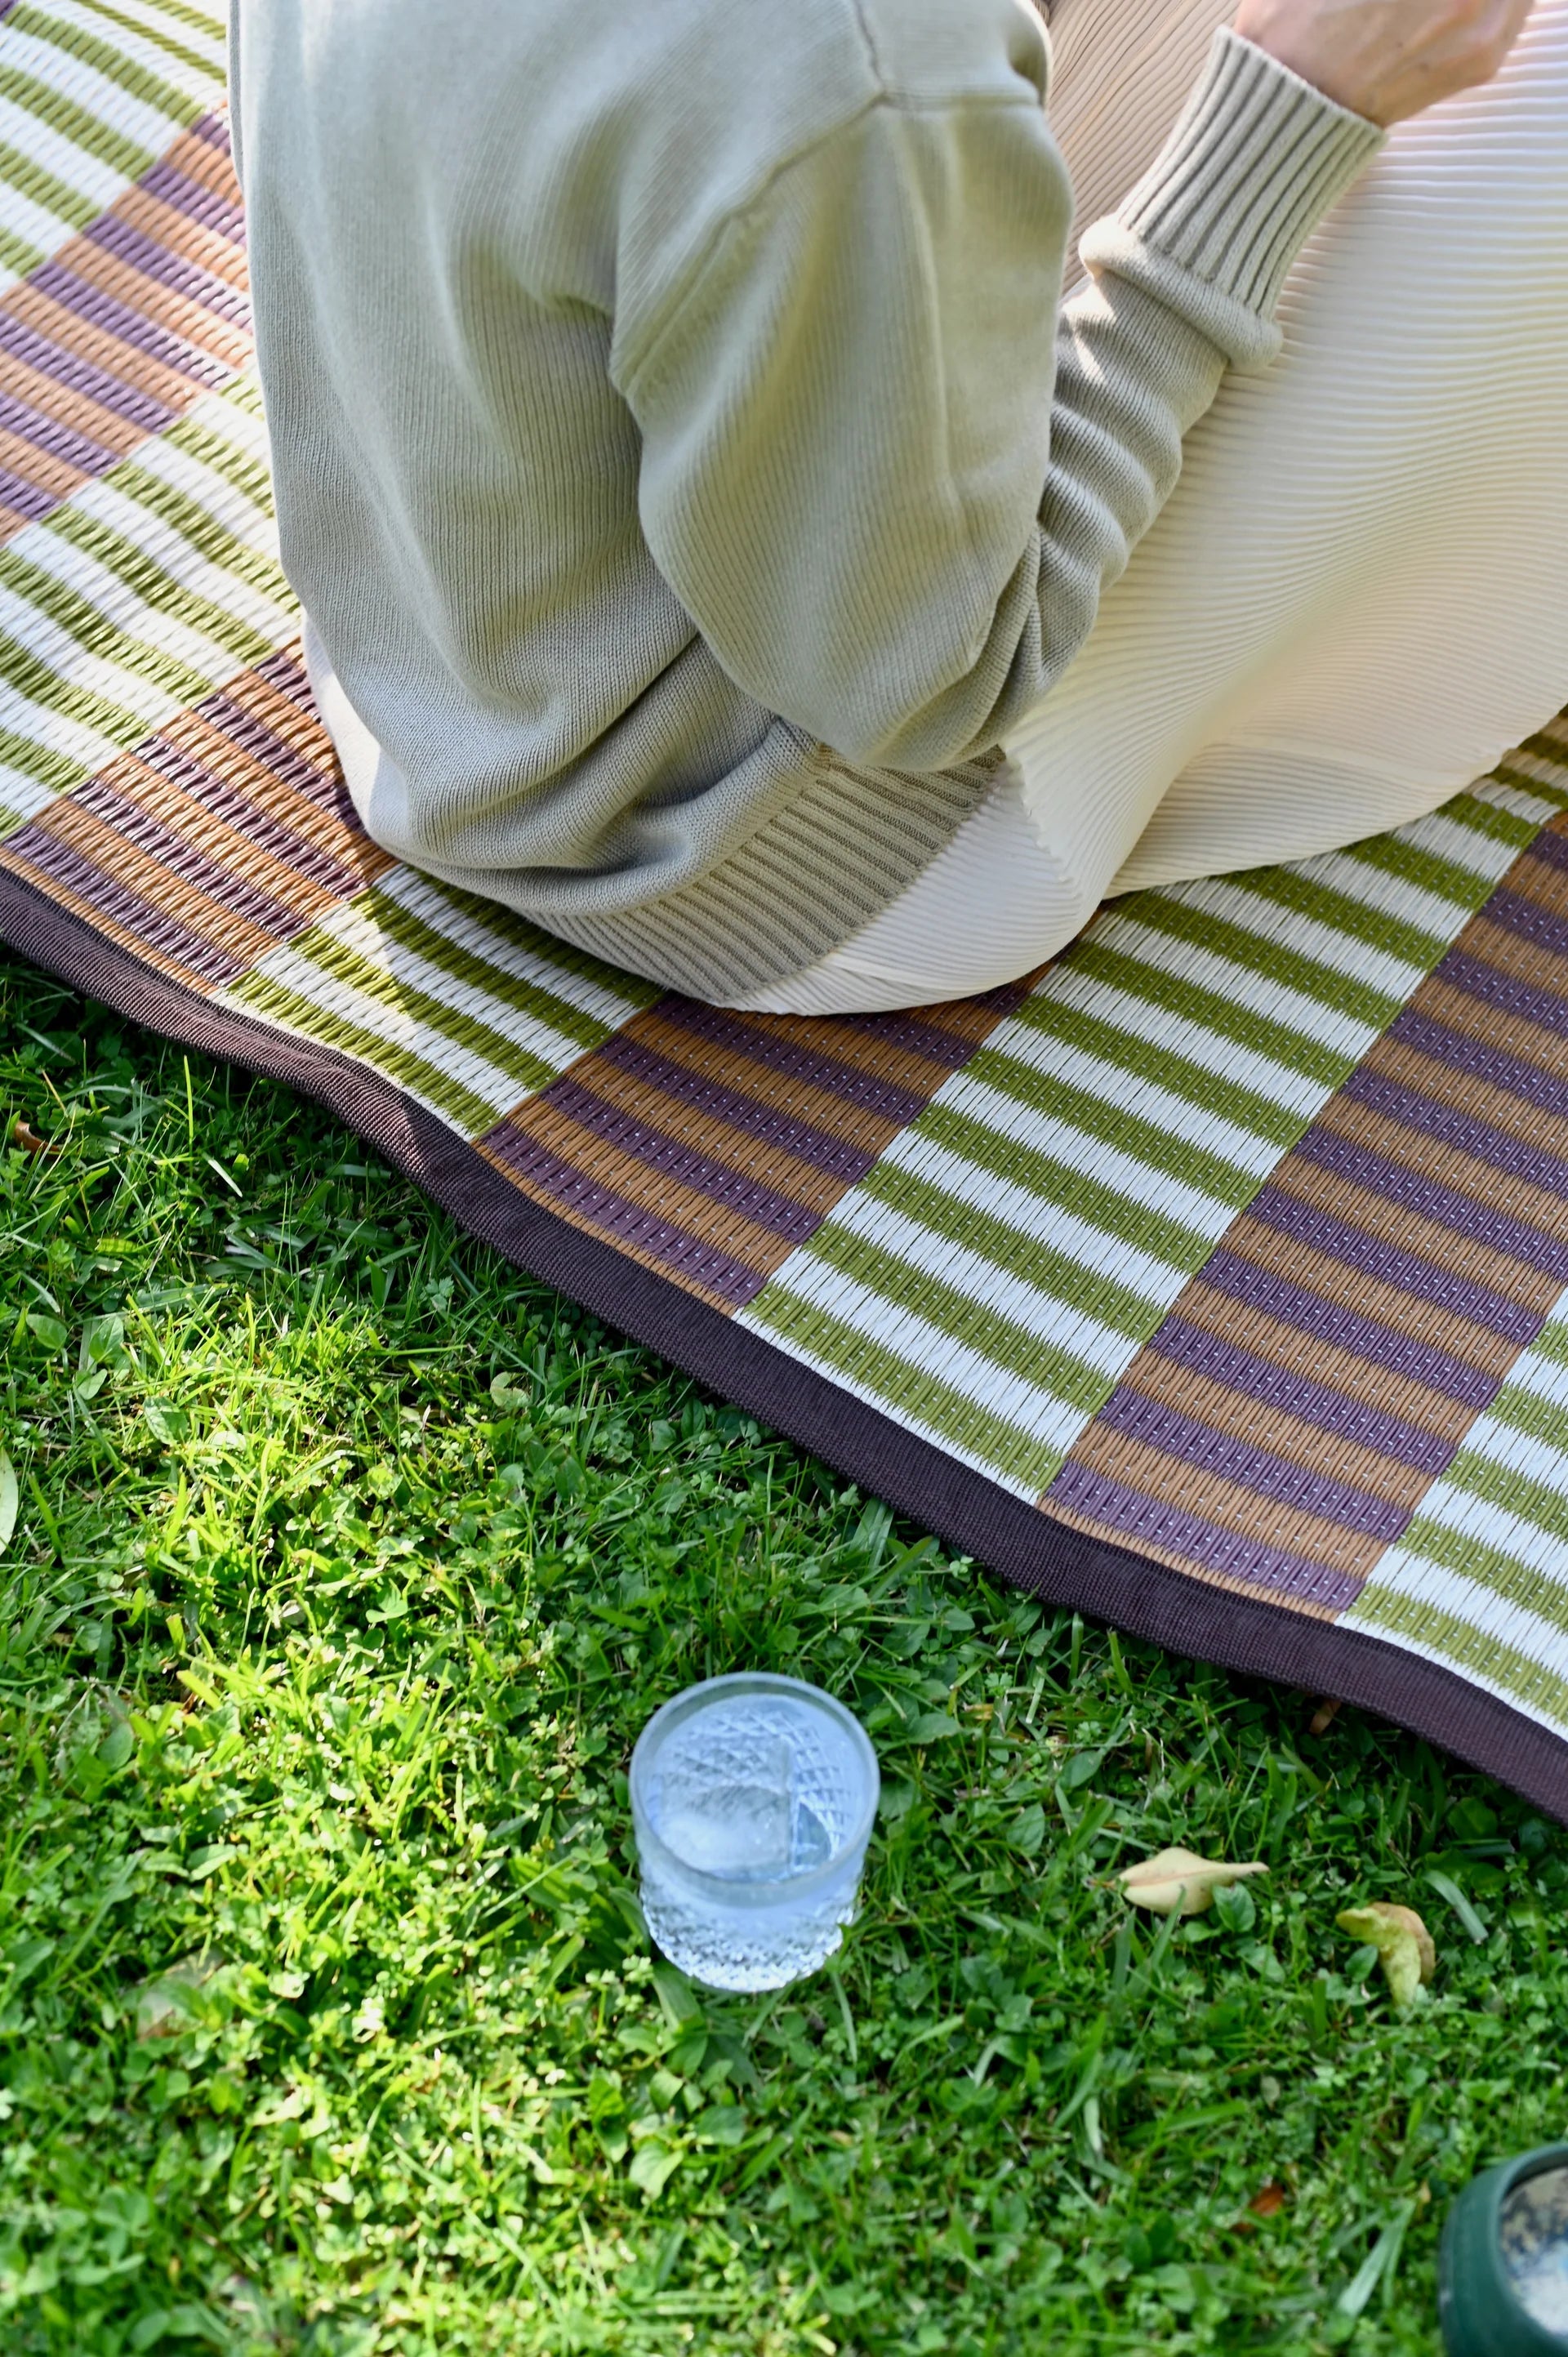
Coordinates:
887 472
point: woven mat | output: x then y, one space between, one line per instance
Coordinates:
1215 1283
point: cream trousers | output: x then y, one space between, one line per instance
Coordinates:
1357 599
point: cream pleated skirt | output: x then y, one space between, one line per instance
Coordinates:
1357 599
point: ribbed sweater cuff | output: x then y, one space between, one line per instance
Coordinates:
1255 162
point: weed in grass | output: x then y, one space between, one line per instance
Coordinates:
347 1565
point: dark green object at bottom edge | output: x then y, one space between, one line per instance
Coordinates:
1478 2306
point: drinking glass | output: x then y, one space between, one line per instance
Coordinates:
753 1798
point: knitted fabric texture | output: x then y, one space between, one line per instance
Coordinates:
646 425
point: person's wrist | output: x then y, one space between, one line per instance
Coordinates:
1385 59
1257 159
1282 35
1212 228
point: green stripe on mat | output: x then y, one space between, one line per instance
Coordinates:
155 38
1551 1342
1494 1568
31 677
322 949
1263 1034
1148 1059
1089 1199
146 580
1339 912
125 73
1524 1410
257 993
56 771
629 987
1547 749
178 12
17 257
92 630
1521 1678
202 531
1427 871
525 997
42 187
1005 1342
1113 1126
195 437
76 124
1506 1486
1259 953
1072 1283
1523 782
912 1394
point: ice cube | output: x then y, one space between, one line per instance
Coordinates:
727 1799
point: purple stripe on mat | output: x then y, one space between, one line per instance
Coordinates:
286 670
320 787
214 130
1551 845
1515 912
1348 1158
223 214
631 1223
63 442
182 858
1423 1280
1288 1393
926 1034
1515 1076
1506 1153
1492 987
1226 1458
740 1035
287 673
1115 1507
1227 1272
248 818
765 1206
87 302
25 345
839 1157
25 499
68 866
171 270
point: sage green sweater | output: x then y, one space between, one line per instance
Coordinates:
684 456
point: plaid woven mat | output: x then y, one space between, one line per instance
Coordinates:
1217 1283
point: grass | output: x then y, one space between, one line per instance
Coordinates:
347 1565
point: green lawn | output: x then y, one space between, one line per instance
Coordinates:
347 1565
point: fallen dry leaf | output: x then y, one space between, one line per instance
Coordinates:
1324 1716
25 1135
1269 2199
1403 1944
1179 1882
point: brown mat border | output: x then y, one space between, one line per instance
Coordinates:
960 1505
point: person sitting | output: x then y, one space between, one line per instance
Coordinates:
734 532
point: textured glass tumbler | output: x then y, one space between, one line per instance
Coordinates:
753 1798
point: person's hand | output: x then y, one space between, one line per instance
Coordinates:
1385 59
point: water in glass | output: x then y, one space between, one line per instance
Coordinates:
752 1797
